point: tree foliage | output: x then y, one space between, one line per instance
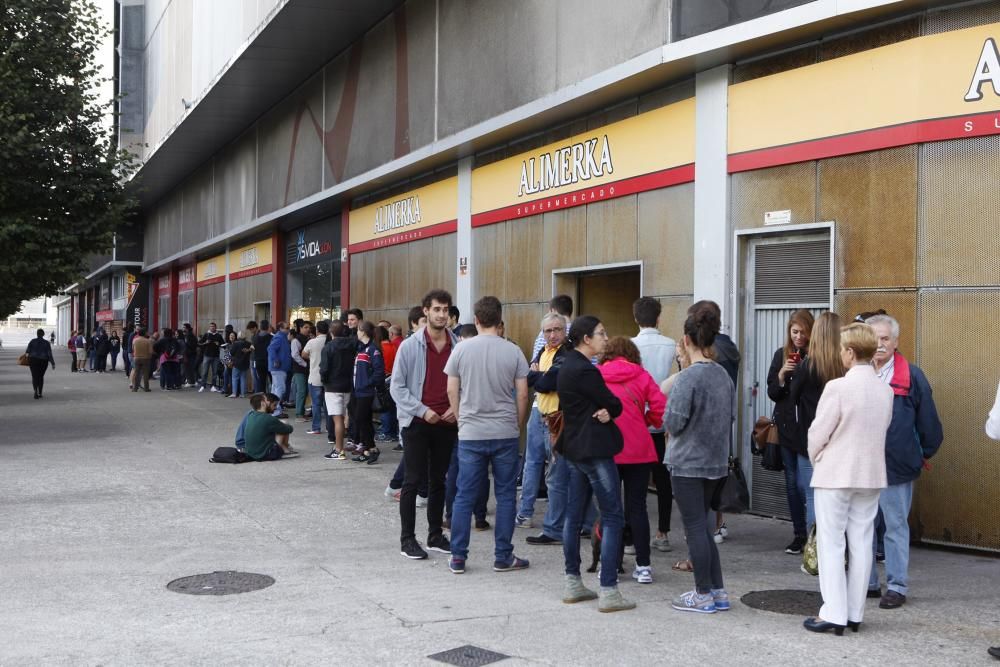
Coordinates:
62 177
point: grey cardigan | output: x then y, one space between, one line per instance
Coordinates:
408 373
699 419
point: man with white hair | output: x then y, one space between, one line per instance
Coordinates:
914 435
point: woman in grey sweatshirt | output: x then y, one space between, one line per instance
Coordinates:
699 419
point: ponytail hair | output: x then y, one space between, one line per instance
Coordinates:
702 326
585 325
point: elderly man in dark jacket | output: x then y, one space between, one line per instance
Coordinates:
914 435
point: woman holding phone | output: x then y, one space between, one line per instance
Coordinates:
791 439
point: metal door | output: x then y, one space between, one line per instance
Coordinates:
783 275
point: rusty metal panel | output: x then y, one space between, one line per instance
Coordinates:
564 240
839 47
873 199
959 199
956 501
775 64
521 322
788 187
489 248
524 268
359 286
901 305
611 230
973 14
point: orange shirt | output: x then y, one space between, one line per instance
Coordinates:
388 355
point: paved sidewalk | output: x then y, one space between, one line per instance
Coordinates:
106 496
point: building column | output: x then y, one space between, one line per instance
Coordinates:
225 319
174 292
712 229
464 264
345 257
277 278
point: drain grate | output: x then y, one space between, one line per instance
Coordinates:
796 603
468 656
226 582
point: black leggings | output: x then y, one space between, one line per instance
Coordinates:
694 498
661 480
363 420
38 368
635 477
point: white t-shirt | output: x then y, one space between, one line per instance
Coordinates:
314 348
487 367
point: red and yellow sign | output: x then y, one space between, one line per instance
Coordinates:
422 213
931 88
186 279
250 260
645 152
211 271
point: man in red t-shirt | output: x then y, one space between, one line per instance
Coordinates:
419 387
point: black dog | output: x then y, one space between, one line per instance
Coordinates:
595 547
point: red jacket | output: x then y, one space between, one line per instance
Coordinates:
642 406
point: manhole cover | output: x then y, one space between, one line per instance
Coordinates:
220 583
796 603
468 656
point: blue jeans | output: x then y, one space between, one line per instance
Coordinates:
278 388
804 478
208 369
599 476
793 492
300 388
451 490
894 501
316 395
557 480
239 382
474 459
390 425
536 452
227 382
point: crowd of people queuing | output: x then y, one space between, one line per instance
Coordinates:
604 417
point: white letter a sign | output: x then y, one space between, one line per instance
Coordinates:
988 69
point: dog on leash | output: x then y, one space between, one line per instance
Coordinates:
595 547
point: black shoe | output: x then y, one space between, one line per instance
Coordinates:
439 543
542 539
36 395
874 593
397 448
892 600
373 457
854 625
411 549
482 525
585 533
879 557
816 625
796 546
994 651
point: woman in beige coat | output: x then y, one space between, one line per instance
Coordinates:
847 449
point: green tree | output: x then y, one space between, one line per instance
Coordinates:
62 177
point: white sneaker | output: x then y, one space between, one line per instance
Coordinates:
201 389
214 390
718 537
643 574
421 501
629 550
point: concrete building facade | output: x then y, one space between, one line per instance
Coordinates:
302 157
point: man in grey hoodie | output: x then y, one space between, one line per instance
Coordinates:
427 423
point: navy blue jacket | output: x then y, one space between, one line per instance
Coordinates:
369 370
915 432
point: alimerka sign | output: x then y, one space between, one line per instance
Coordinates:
422 213
645 152
932 88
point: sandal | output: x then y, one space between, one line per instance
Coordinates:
683 566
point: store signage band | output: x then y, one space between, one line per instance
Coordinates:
211 271
648 151
422 213
931 88
186 279
305 249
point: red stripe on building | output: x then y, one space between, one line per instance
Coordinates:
626 186
405 237
211 281
246 273
917 132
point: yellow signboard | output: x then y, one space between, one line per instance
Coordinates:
211 270
428 211
648 151
929 88
250 260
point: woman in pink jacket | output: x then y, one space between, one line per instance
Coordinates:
642 406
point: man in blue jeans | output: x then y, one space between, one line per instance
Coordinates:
914 435
484 375
279 361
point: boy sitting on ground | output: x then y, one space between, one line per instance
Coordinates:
265 436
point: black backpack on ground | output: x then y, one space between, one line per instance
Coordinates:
229 455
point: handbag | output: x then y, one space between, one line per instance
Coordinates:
554 422
732 496
383 399
771 459
810 554
23 359
765 432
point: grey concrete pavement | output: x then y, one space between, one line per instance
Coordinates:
106 496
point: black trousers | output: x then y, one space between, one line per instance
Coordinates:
694 498
661 480
427 452
38 367
363 415
73 369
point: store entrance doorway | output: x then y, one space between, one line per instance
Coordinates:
606 292
262 311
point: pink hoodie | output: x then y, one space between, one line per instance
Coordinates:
637 390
